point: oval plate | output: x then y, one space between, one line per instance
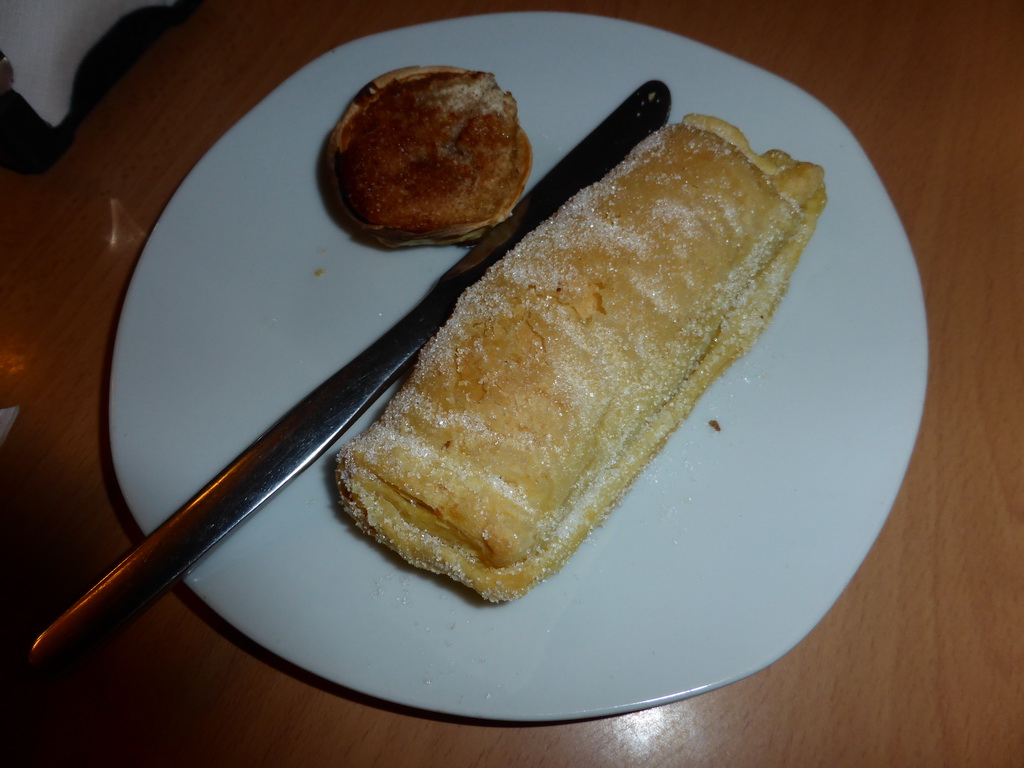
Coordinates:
726 553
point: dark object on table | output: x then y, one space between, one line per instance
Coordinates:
29 144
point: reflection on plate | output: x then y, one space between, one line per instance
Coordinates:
726 553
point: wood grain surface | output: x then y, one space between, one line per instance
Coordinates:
920 662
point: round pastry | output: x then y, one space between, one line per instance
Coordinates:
430 155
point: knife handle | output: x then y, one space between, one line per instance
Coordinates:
263 469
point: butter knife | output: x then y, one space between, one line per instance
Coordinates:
307 431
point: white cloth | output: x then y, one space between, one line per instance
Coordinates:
46 40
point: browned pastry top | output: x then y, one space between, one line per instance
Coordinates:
431 154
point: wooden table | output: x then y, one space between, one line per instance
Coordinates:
921 661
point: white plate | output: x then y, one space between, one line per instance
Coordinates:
725 554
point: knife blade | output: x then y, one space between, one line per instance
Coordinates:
316 423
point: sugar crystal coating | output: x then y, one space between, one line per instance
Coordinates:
563 370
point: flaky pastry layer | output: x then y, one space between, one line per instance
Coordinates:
563 371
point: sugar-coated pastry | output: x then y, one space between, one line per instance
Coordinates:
562 371
430 155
